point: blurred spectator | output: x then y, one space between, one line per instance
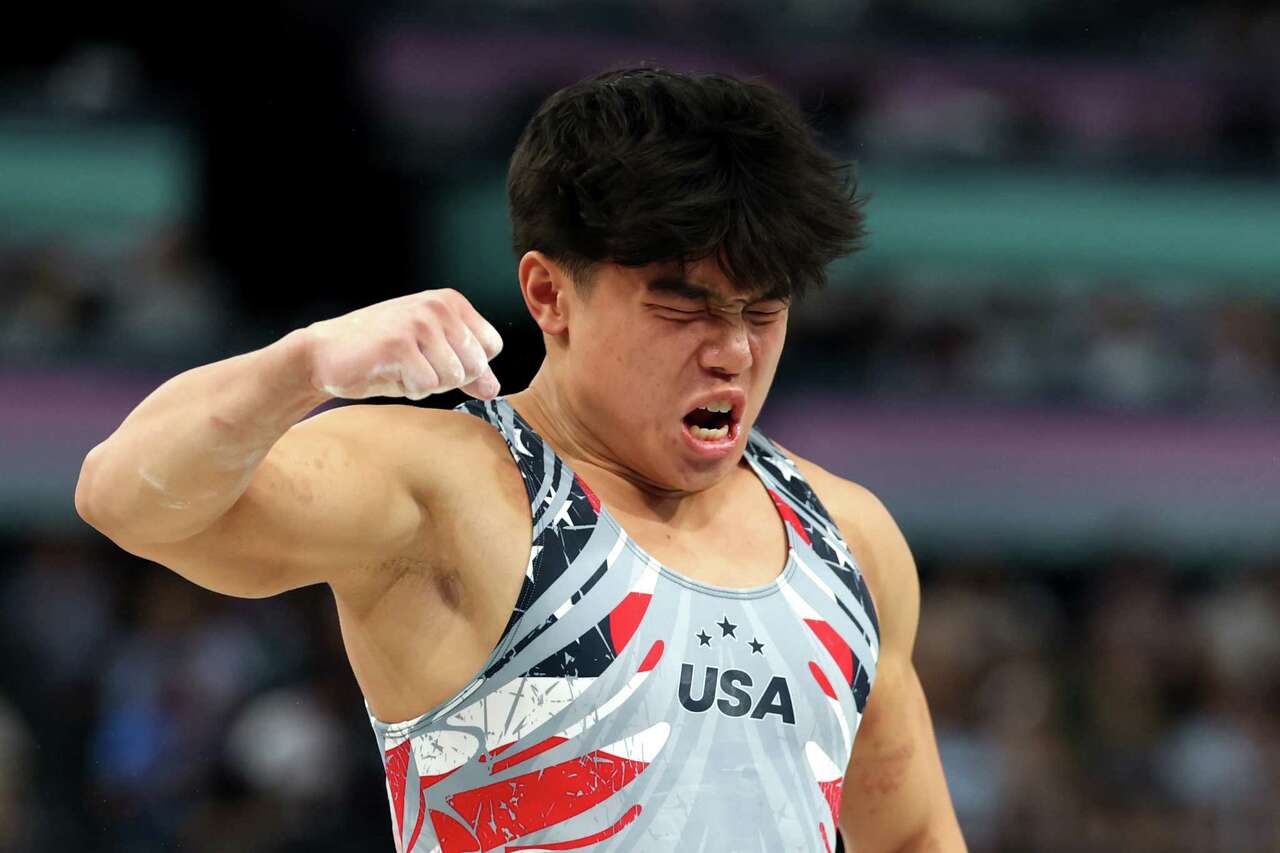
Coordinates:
18 812
164 299
1126 361
155 298
1243 362
1117 346
58 612
1219 756
1112 701
47 304
1125 700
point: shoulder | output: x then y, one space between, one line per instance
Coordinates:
406 430
437 450
877 544
376 423
459 472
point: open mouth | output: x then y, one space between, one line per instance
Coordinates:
712 423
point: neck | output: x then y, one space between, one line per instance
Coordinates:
550 412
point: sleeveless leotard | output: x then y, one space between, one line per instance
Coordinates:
627 707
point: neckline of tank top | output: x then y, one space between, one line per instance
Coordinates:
789 564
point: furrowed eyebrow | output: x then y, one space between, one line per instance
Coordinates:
673 286
778 293
680 287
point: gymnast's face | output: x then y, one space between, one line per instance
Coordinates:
667 372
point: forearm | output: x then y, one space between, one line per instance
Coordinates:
184 456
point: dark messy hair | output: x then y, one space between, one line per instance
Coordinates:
643 165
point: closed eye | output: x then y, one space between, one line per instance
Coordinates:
756 316
681 314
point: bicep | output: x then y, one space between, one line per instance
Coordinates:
895 795
318 508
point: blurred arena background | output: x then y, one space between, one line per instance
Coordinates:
1058 363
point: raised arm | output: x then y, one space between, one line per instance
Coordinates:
213 475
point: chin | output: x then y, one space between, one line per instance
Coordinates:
696 475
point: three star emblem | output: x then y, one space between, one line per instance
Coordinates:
727 629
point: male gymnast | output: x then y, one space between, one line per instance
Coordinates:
604 612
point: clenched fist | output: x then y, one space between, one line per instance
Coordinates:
411 346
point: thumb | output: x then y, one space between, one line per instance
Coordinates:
486 387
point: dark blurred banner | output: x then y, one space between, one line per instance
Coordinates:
957 475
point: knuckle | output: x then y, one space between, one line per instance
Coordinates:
429 378
420 325
471 347
439 310
451 372
420 385
410 353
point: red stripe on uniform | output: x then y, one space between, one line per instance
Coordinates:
425 782
839 648
397 776
526 753
789 515
417 827
630 815
821 679
625 619
831 790
591 496
453 836
651 659
506 810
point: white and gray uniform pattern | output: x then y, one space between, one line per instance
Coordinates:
630 708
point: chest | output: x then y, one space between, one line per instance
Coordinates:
745 546
742 544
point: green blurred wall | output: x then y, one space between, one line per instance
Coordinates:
1170 232
92 185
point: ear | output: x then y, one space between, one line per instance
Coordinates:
545 287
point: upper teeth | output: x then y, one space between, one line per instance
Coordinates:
722 408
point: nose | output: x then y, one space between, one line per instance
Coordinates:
728 351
